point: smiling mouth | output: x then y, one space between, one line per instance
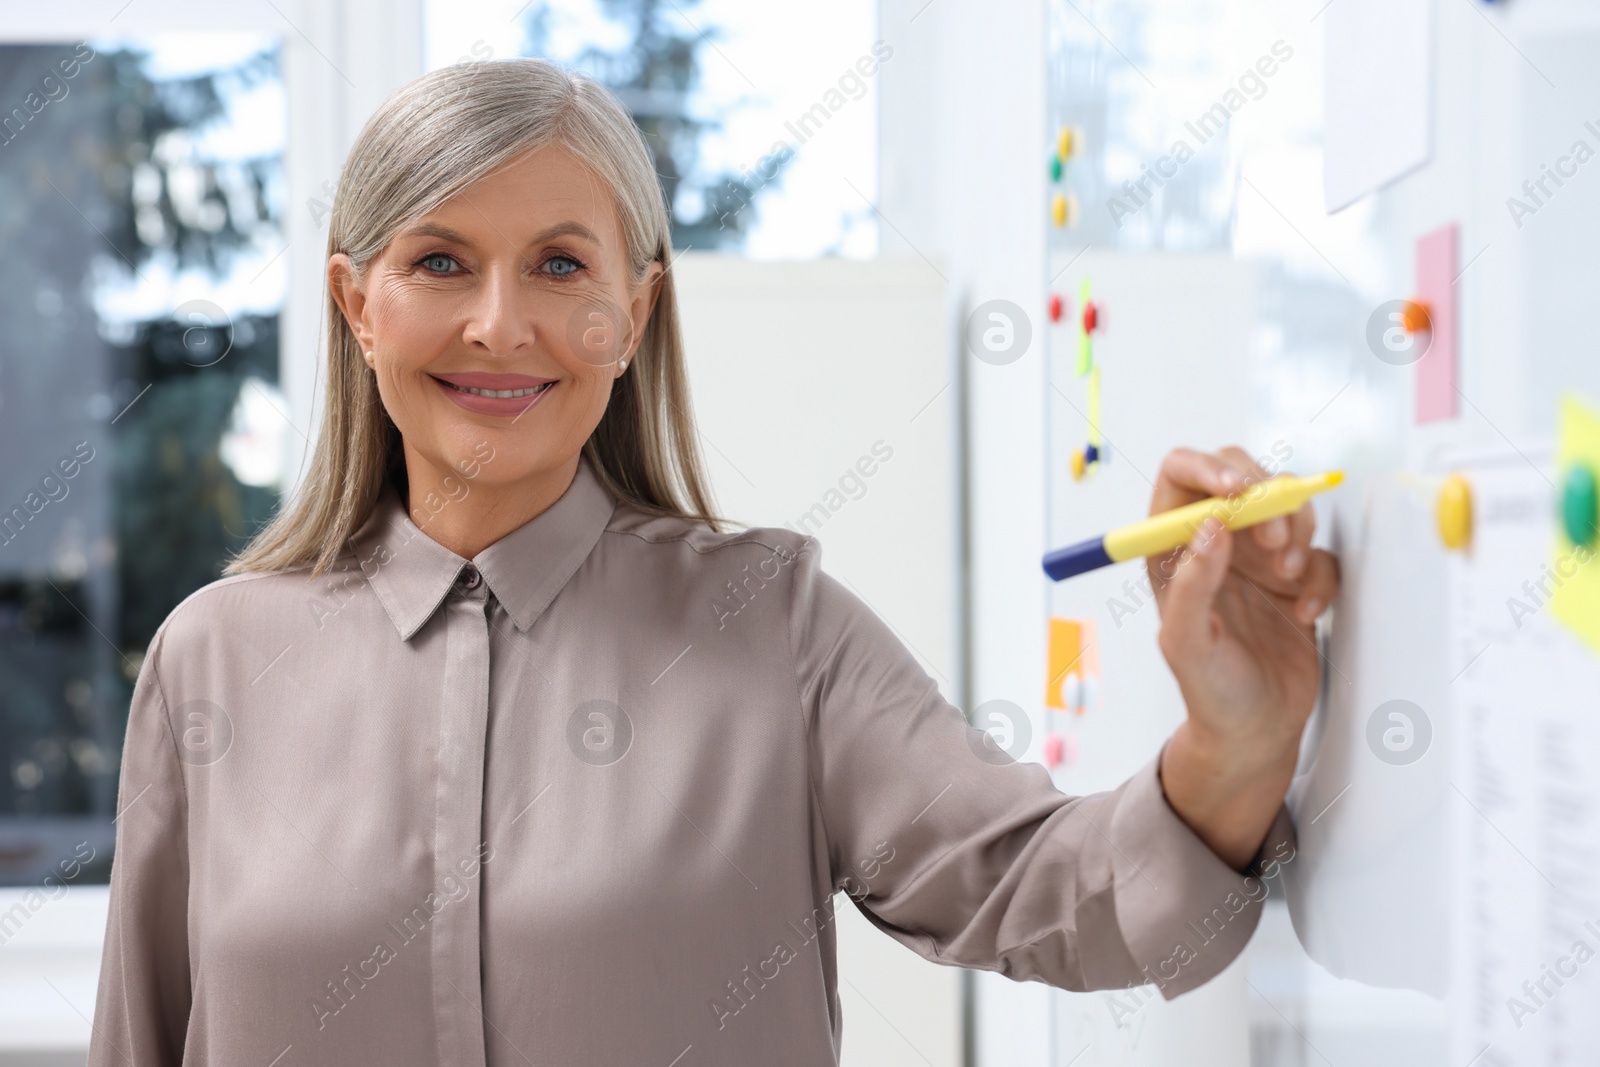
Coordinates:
497 394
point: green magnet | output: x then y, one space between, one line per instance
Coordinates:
1055 168
1580 505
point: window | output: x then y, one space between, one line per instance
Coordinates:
142 189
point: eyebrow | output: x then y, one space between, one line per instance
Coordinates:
445 233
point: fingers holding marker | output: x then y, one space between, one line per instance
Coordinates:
1193 487
1187 629
1275 534
1188 475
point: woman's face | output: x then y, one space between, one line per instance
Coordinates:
496 323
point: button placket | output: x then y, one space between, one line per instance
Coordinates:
458 824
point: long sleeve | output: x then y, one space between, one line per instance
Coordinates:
142 1007
970 859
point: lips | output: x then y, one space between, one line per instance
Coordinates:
494 394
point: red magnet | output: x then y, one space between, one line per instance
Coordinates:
1055 307
1091 317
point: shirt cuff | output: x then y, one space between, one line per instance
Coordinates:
1183 913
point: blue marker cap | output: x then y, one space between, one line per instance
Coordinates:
1076 559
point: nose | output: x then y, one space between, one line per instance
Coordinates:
500 320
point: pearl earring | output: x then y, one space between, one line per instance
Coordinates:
624 365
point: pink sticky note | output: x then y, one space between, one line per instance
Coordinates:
1436 370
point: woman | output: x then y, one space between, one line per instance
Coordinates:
497 748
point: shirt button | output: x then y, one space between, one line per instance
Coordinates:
470 578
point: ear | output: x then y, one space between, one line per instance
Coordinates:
643 305
352 300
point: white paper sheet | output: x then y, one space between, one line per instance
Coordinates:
1377 94
1525 817
1367 885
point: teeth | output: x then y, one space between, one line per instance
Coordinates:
502 394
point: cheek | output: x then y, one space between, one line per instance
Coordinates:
410 327
567 332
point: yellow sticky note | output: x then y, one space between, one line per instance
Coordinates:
1576 602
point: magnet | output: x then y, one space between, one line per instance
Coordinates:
1453 511
1089 697
1580 504
1415 316
1071 692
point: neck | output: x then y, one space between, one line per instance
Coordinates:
467 515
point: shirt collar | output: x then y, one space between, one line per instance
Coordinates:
411 573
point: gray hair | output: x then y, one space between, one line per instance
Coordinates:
433 137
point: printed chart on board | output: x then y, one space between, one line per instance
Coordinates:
1525 822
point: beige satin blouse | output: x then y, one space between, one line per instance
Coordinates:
587 799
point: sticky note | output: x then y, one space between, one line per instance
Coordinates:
1575 570
1072 680
1065 652
1436 289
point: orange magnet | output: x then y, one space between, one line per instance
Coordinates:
1415 317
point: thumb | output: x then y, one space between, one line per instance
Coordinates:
1187 630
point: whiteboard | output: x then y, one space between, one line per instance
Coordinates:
1495 95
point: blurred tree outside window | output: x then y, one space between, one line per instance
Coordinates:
655 71
141 199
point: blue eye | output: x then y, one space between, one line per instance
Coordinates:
562 265
438 262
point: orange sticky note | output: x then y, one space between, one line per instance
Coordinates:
1073 665
1065 652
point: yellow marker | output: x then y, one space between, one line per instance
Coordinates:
1453 512
1261 502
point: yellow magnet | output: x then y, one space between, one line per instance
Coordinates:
1453 511
1079 463
1058 209
1064 143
